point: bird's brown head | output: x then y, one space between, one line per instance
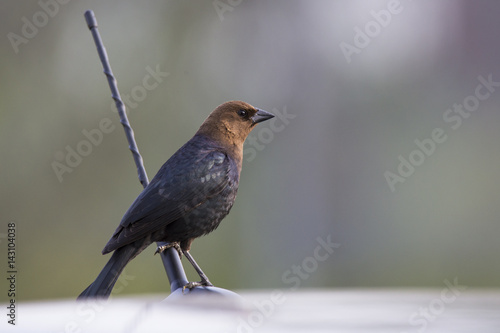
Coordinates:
231 122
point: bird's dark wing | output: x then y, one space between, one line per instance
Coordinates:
189 178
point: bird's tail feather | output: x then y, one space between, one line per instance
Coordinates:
103 284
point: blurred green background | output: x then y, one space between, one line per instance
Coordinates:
360 81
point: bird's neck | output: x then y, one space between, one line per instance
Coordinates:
226 139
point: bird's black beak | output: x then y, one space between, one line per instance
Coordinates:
261 115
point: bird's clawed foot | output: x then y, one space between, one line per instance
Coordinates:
202 283
175 245
205 282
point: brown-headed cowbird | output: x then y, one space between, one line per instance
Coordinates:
189 196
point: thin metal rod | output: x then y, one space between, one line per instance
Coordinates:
176 276
171 261
101 50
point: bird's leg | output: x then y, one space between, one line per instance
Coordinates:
204 279
175 245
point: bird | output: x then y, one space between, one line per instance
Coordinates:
188 197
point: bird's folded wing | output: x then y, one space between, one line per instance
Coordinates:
182 184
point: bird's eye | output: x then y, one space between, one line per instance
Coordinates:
242 113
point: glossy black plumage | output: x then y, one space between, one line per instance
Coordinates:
189 196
